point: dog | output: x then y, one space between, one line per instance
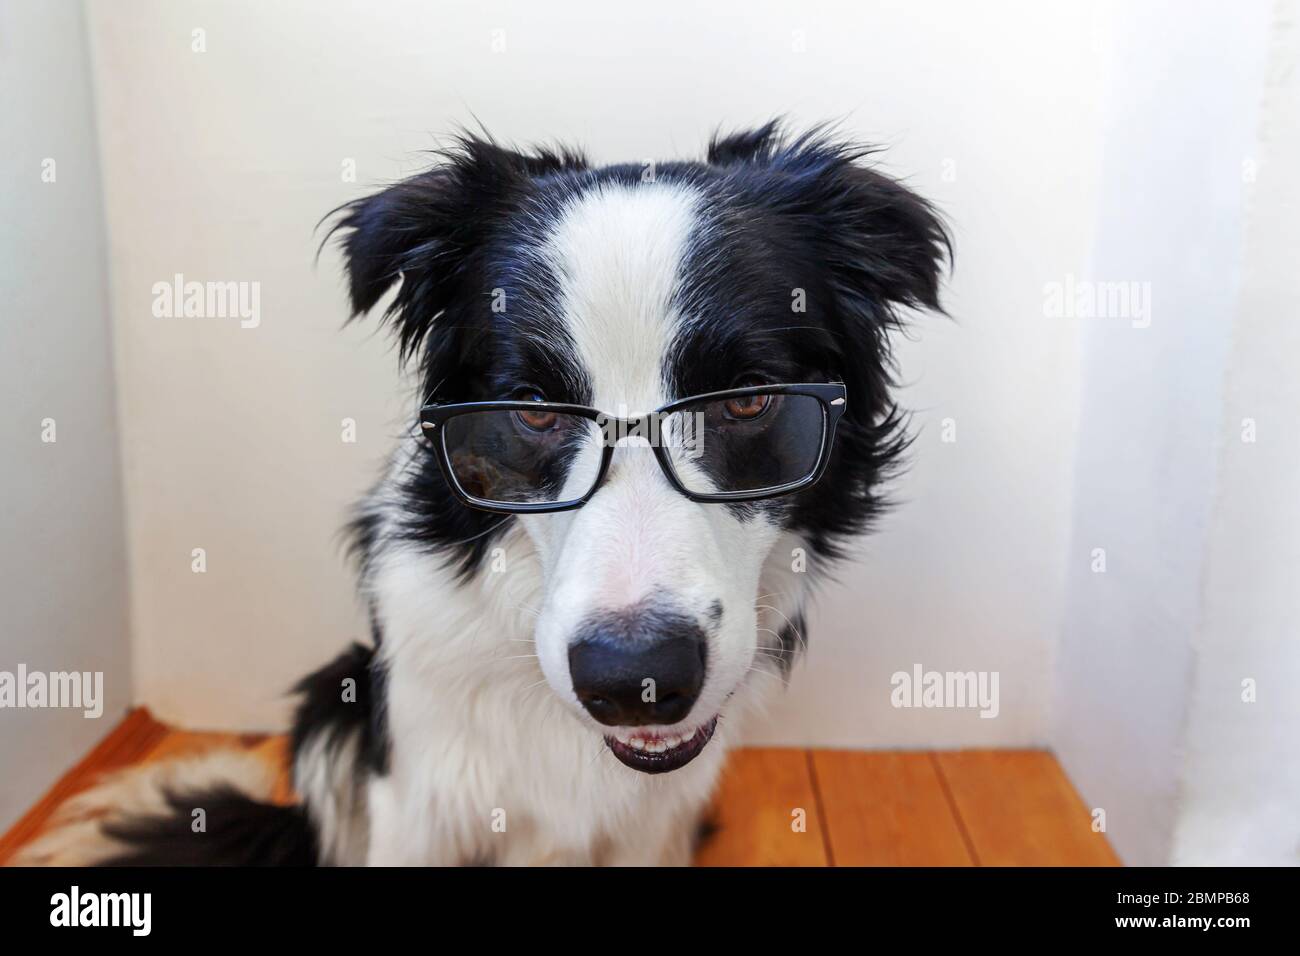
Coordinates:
655 405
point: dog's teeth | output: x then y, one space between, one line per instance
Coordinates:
654 745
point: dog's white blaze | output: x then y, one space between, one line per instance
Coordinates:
619 254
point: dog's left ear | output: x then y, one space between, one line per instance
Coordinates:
883 245
888 245
868 248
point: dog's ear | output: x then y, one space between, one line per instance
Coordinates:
426 230
745 146
884 246
864 247
888 246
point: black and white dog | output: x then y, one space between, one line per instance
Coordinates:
656 402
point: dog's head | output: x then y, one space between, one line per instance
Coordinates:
537 277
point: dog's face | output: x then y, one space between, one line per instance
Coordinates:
535 277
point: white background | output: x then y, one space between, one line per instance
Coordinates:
63 569
1105 142
218 165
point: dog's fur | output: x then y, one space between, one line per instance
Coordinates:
456 737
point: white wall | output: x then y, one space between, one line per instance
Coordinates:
219 163
1240 796
62 561
1151 645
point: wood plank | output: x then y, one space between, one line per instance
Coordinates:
754 810
998 808
275 750
1019 810
126 744
185 743
887 809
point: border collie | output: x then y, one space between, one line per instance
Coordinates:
655 402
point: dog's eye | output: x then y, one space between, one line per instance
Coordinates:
747 407
540 420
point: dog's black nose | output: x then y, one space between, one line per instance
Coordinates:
635 679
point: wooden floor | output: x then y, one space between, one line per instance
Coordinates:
778 807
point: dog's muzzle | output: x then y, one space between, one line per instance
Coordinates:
640 671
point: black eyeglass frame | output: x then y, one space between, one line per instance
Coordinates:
832 396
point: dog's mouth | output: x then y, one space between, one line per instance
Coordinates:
656 752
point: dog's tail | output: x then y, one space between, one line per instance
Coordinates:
210 810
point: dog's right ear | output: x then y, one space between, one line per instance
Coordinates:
426 230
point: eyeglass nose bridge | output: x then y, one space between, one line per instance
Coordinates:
650 428
615 429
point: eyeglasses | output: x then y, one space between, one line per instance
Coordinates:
743 444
